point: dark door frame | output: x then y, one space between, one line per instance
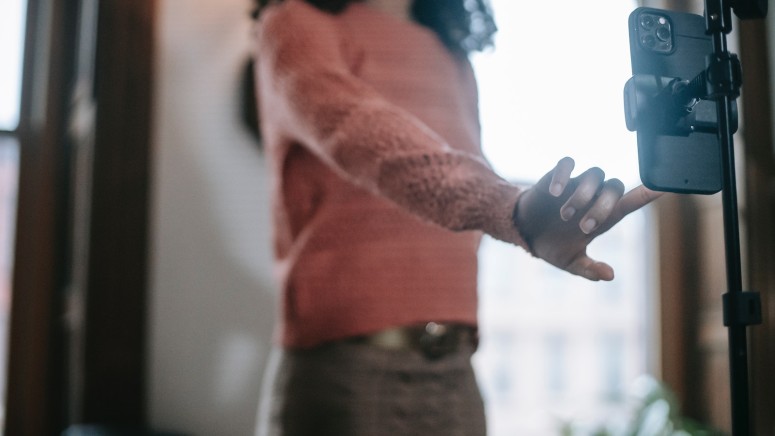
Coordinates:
682 365
47 389
760 207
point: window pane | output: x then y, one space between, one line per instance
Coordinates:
12 14
12 18
9 165
556 348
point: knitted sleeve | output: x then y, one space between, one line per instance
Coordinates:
313 99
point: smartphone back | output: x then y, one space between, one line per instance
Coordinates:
674 45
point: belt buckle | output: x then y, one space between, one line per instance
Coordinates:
436 340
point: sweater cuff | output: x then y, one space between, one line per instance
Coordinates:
503 226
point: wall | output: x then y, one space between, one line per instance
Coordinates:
212 303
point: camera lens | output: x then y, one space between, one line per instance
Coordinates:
647 21
648 41
663 33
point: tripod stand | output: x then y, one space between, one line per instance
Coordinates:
741 308
667 112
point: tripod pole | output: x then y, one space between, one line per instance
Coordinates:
738 349
741 309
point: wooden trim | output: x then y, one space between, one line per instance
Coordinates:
110 381
678 278
760 205
34 403
114 353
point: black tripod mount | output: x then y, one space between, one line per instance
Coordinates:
721 81
679 107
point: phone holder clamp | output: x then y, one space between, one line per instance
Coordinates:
675 107
722 77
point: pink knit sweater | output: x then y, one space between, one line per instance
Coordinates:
380 189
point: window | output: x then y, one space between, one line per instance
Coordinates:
12 14
557 348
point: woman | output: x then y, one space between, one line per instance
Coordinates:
369 115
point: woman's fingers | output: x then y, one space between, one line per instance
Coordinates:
561 176
604 205
635 199
587 186
595 197
588 206
591 269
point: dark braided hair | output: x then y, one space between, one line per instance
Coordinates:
462 25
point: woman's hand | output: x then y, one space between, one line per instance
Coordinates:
560 216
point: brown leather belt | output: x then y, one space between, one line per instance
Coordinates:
433 339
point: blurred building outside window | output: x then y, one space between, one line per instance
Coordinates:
556 348
12 19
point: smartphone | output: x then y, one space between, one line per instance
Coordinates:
684 157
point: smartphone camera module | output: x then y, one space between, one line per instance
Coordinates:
647 21
655 33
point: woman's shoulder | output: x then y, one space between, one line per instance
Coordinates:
295 25
294 16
